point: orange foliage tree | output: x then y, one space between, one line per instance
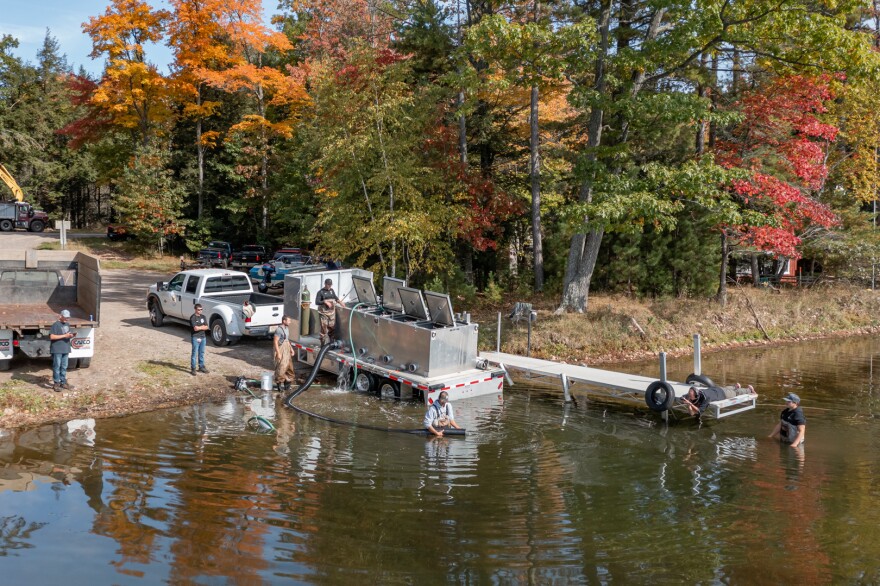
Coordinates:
196 38
250 70
131 89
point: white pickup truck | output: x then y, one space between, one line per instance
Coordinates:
222 295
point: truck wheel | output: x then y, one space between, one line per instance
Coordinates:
6 225
157 317
218 333
85 362
5 364
72 363
365 382
37 226
389 389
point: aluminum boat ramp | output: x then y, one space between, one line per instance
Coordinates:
659 394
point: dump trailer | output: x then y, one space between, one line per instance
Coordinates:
35 285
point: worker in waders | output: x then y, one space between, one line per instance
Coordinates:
326 301
284 371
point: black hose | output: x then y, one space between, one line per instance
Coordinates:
288 402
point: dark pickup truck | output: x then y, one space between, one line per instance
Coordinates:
249 255
217 253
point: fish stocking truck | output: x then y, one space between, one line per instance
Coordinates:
35 285
228 301
407 343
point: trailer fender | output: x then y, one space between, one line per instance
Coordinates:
659 396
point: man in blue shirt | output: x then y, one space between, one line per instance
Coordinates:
59 347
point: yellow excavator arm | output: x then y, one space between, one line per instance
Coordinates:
10 182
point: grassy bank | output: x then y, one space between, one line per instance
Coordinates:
118 255
617 327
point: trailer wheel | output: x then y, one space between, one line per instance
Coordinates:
6 225
389 389
365 382
5 364
699 378
37 226
659 396
85 362
218 333
157 316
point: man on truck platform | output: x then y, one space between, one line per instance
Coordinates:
59 347
326 301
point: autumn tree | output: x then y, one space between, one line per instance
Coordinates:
196 38
131 89
276 94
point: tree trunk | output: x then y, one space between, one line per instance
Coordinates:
462 133
200 150
721 296
535 171
756 271
584 248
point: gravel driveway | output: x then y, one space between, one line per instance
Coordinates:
136 367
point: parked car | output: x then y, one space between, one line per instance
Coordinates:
249 255
217 253
222 295
118 233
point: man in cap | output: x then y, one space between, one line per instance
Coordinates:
792 424
59 347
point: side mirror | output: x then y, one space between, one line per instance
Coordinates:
160 286
31 212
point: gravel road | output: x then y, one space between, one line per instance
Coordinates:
136 367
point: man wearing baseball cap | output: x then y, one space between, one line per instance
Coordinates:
59 347
792 424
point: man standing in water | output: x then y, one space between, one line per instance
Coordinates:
439 416
792 424
284 372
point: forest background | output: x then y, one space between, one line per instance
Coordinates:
640 146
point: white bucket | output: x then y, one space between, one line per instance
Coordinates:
267 383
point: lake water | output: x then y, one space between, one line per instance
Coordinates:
537 493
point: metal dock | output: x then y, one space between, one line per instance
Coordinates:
631 387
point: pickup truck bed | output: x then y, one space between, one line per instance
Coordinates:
240 298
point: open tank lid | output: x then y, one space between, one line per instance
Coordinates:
413 303
440 308
366 292
390 295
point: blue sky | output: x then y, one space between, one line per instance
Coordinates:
27 20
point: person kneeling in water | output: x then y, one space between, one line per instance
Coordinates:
698 399
439 416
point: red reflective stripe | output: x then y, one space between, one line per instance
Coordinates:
475 382
485 380
460 385
392 377
445 388
423 387
499 385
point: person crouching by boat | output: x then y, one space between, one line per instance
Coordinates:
792 426
698 399
439 416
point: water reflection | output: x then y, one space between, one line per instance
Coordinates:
538 492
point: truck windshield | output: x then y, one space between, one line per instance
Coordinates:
227 284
